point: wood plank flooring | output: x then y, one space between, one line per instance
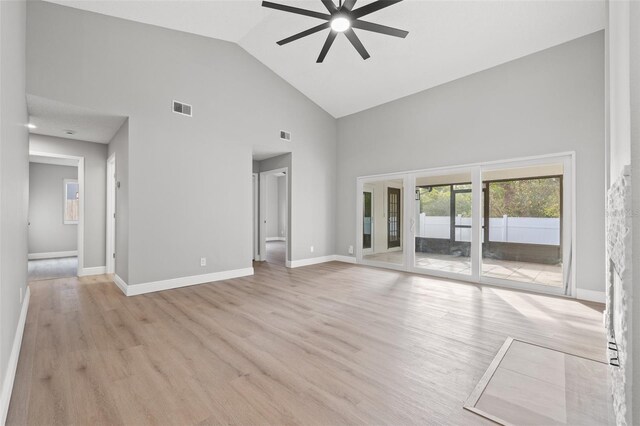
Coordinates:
326 344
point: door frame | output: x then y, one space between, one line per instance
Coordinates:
80 272
476 169
263 214
256 216
110 251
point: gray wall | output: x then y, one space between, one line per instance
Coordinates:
276 206
119 146
95 202
204 163
272 207
548 102
47 231
14 174
634 20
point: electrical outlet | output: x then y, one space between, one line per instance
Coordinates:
203 261
311 249
350 249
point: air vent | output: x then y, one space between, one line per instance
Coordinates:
182 108
285 136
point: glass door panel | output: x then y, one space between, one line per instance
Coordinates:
522 217
383 232
443 221
367 221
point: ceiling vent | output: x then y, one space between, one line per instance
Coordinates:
182 108
285 136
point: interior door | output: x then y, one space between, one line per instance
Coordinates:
367 221
393 221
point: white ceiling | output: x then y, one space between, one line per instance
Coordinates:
448 39
54 118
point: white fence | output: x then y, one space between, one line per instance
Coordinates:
532 230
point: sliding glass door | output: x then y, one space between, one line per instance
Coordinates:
503 223
523 212
443 222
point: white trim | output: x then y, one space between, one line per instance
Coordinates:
52 255
310 261
122 285
276 239
81 190
591 295
150 287
255 181
263 213
7 384
345 259
110 249
96 270
452 168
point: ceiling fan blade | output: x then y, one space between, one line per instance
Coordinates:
330 5
373 7
348 4
377 28
353 38
297 10
305 33
327 45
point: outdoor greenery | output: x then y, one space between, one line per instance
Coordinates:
517 198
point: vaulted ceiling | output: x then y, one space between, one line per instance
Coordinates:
447 40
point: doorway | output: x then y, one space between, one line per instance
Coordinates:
56 216
274 216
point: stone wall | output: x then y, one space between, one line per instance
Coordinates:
619 294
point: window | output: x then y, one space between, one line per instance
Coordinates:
526 211
71 202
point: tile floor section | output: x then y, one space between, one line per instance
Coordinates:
534 385
45 269
528 272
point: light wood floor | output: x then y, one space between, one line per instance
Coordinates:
528 272
326 344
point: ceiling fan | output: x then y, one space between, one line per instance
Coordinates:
342 18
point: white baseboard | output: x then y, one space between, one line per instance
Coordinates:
345 259
591 295
7 384
97 270
275 239
122 285
52 255
150 287
321 259
310 261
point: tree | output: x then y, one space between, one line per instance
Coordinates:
525 198
515 198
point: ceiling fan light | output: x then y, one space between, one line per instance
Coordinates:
340 24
